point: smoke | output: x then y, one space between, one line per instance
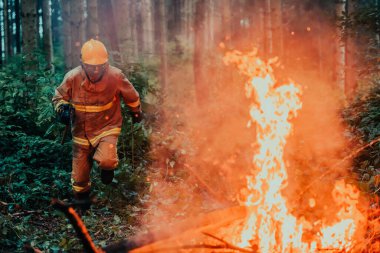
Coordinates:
202 152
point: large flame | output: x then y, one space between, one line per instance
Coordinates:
270 226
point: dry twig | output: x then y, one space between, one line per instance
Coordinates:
228 245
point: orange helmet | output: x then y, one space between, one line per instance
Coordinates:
94 53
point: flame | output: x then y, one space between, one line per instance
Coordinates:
270 226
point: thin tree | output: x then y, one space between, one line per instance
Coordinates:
188 22
92 19
160 35
277 27
226 20
47 33
201 89
148 22
1 37
66 7
29 31
7 34
350 73
340 7
56 16
77 22
108 30
11 23
18 26
139 28
268 32
133 32
39 22
163 46
124 18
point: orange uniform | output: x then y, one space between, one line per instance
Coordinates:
97 122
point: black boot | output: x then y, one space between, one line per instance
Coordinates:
106 176
83 201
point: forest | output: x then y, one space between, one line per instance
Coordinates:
260 126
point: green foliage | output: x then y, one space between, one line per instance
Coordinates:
35 167
363 118
363 26
29 161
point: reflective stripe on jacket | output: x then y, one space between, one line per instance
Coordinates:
97 106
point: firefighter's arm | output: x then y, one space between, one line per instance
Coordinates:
61 101
131 98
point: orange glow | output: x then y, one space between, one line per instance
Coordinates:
271 226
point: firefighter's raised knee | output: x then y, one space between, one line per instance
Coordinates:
107 163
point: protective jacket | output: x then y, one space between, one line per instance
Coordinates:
97 106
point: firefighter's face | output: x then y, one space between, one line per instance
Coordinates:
95 72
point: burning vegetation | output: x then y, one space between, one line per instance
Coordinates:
324 212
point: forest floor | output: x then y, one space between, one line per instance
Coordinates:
112 218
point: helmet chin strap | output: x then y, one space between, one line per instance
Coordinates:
88 77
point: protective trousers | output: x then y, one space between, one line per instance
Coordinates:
105 154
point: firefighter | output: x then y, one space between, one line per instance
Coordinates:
89 99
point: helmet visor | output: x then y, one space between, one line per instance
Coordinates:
94 72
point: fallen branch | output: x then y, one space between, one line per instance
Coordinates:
228 245
78 225
24 213
197 246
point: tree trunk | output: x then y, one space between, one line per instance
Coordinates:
377 33
65 8
7 34
351 73
210 32
268 32
139 28
92 19
11 22
108 29
18 26
277 28
123 11
189 17
56 13
340 8
39 23
1 37
148 22
226 21
133 32
174 19
29 31
48 43
77 29
201 90
319 29
163 51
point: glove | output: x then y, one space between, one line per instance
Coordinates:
66 113
136 116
